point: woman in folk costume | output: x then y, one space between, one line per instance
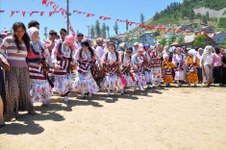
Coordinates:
167 69
63 60
84 82
192 63
199 69
38 59
147 67
138 63
17 81
156 61
207 65
127 77
179 62
111 63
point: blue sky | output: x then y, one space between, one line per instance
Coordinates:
116 9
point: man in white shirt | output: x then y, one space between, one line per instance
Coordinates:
100 48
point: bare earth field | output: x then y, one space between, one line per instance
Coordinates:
161 119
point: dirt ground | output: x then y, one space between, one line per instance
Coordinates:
161 119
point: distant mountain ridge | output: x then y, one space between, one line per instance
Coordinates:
203 12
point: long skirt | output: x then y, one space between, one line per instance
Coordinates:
40 91
17 87
192 77
84 83
207 74
156 76
223 81
129 81
148 76
168 78
140 79
112 82
179 75
217 74
63 84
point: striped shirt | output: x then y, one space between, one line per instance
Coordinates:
15 57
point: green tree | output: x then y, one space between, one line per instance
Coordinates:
204 20
97 29
224 45
207 15
103 31
172 39
200 41
142 18
181 39
116 28
92 32
163 41
108 31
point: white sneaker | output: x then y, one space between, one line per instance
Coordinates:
65 99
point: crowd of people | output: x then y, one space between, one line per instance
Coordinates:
32 70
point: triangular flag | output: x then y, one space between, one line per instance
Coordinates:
41 13
12 13
44 1
23 13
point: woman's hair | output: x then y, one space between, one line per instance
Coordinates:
217 50
112 43
25 37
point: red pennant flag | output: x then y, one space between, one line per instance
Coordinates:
92 15
41 13
63 12
101 17
88 15
12 13
50 3
44 1
23 13
2 11
50 13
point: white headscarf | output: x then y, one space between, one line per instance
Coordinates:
31 31
165 56
208 49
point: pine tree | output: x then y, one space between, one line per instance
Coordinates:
116 28
207 15
108 31
142 18
92 32
103 31
97 29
